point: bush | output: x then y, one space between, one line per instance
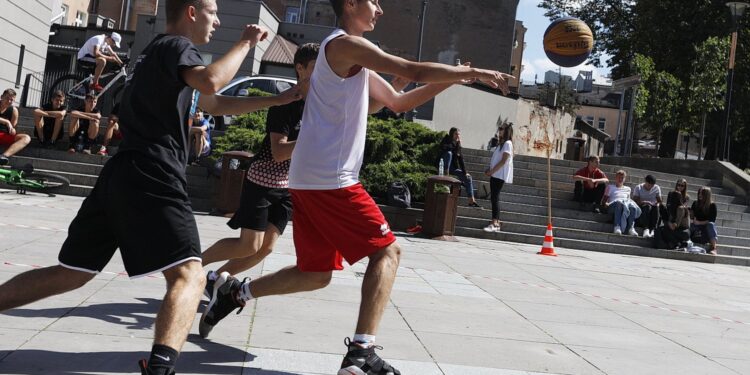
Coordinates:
394 150
399 150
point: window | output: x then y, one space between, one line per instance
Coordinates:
282 86
64 11
602 123
590 120
292 15
80 19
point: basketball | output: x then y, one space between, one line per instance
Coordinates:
568 42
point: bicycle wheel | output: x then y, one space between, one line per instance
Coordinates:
73 87
42 181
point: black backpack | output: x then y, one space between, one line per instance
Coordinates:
399 195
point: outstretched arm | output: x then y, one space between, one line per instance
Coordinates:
231 105
382 92
211 78
348 51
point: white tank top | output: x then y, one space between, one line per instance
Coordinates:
331 143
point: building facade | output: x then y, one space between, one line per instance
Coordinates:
25 26
124 12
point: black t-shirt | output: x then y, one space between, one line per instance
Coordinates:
703 215
50 121
264 170
8 115
156 103
83 124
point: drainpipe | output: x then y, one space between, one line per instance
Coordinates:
127 15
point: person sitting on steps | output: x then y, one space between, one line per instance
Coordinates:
48 120
84 126
648 197
8 120
453 162
112 132
590 184
618 203
703 215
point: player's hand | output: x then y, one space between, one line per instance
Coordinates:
495 79
254 34
291 95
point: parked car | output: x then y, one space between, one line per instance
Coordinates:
240 87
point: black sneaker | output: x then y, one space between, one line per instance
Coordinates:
4 160
209 291
364 361
222 302
143 365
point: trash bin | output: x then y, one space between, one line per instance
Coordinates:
231 181
441 207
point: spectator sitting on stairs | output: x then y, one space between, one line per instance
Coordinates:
648 197
112 132
703 215
453 162
8 120
590 183
676 229
84 126
618 203
48 120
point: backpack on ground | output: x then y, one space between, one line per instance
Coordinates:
399 195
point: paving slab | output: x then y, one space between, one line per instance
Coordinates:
473 307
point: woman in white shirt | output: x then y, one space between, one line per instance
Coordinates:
500 172
618 203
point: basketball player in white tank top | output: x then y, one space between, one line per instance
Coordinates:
334 217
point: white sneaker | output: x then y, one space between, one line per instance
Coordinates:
617 230
632 232
647 233
492 228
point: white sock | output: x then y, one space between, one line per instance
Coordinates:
213 275
245 294
364 339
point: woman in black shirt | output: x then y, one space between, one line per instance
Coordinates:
453 162
703 214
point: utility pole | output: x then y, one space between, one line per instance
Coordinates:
422 15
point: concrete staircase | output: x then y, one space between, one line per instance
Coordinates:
524 210
82 170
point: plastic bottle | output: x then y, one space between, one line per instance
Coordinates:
441 167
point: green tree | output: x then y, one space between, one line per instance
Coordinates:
707 86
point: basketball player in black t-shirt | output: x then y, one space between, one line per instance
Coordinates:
140 203
265 204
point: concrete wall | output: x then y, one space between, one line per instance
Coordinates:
233 15
26 23
477 113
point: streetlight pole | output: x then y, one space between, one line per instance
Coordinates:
422 15
737 9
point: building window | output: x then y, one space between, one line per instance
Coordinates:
292 15
64 11
80 19
602 123
590 120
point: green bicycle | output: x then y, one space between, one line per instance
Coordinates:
25 179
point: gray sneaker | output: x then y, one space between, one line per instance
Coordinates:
363 361
223 301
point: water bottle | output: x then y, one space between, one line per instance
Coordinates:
689 243
79 143
234 164
441 167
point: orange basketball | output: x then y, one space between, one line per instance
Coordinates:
568 42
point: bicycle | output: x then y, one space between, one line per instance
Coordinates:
25 179
76 85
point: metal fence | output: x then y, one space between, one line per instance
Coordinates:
38 86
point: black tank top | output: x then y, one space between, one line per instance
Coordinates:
8 115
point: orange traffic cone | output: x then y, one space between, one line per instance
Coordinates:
548 248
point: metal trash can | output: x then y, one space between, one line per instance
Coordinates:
441 208
231 180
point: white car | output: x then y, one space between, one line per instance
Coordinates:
240 87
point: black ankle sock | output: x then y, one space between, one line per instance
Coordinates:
162 360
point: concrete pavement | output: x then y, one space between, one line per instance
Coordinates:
474 307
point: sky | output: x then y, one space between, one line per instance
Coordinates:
535 61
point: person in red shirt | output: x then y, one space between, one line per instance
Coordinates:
590 184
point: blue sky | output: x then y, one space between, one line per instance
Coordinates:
534 59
